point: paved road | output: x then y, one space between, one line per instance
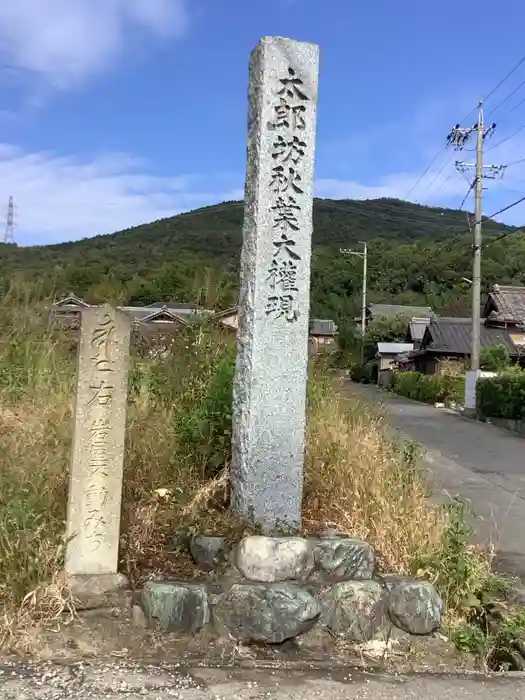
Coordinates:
127 681
481 462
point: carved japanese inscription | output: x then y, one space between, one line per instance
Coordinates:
98 445
288 150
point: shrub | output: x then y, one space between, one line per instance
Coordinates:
365 374
494 358
502 396
433 388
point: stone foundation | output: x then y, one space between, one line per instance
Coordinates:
277 588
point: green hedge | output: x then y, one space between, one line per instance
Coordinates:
502 396
434 388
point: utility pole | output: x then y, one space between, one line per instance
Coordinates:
476 262
458 137
364 255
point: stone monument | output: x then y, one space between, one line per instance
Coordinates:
95 489
272 340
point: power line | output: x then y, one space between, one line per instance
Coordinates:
507 138
511 72
487 96
389 217
515 107
507 98
515 162
467 194
434 220
436 177
456 238
425 171
440 186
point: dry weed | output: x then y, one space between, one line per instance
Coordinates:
356 480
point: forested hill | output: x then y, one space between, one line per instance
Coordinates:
416 254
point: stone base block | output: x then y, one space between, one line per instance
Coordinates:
355 610
176 607
325 558
272 589
274 558
270 613
415 607
97 590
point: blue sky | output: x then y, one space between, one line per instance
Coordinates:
116 112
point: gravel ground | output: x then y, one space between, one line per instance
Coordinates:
129 681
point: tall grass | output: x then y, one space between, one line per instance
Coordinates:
176 466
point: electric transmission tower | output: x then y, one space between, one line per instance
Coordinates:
9 235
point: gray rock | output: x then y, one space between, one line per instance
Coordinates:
208 552
137 616
340 558
391 580
356 610
272 613
176 607
415 607
179 540
328 532
271 559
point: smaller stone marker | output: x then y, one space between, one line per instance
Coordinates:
269 397
95 486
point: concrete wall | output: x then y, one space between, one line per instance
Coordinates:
515 426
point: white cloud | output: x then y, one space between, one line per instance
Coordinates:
65 41
63 198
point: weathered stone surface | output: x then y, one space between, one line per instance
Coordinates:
99 591
274 558
95 484
415 607
341 558
356 610
269 398
272 613
176 607
208 552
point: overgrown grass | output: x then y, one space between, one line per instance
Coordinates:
176 471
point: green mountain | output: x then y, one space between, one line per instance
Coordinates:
417 255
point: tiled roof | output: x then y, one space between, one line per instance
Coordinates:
142 312
417 327
453 335
323 327
393 310
394 348
507 304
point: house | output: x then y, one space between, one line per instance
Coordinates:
227 319
323 335
446 343
71 305
388 355
505 308
323 332
392 311
416 330
158 314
